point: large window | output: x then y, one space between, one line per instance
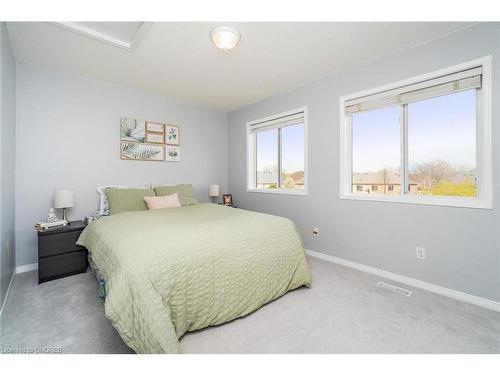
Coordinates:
277 153
425 140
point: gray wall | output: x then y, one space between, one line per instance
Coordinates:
7 154
68 137
462 244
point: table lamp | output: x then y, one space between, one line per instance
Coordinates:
63 199
213 192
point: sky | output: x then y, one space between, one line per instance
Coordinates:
439 128
292 144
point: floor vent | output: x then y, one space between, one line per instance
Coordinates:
394 288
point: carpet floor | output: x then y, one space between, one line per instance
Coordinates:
343 312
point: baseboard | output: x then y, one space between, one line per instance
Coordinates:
27 268
8 291
18 269
461 296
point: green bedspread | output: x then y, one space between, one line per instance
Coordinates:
174 270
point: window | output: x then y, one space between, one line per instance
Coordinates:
277 153
267 159
442 144
359 188
425 140
375 148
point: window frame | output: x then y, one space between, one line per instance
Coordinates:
483 200
251 156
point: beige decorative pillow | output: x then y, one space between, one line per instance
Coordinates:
165 201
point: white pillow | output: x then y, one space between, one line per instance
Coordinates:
103 198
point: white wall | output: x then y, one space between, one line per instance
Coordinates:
463 245
68 137
7 138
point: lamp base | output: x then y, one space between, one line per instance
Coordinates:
64 216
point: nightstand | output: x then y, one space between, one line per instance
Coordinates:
58 253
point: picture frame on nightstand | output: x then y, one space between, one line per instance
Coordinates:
227 199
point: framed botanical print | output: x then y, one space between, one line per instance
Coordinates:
172 153
142 151
172 135
132 130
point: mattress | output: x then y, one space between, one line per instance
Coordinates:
170 271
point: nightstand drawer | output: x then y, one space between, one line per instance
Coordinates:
61 265
59 243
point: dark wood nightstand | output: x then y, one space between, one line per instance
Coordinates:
58 253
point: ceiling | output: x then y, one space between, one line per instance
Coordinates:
179 60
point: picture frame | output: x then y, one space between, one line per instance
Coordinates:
142 151
158 138
155 127
132 130
172 153
227 199
172 135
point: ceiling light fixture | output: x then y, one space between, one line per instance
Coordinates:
225 37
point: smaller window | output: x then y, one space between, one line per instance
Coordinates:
359 188
374 188
277 153
391 187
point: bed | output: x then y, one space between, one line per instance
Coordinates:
169 271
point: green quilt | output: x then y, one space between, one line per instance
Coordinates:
175 270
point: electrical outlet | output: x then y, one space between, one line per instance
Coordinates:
316 231
420 253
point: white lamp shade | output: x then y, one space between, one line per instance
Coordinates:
213 190
63 198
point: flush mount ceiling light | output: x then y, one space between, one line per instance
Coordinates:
225 37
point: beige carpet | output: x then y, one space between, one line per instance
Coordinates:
343 312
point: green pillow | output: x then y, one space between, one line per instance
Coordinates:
124 200
184 192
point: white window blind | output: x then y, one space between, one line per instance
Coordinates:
447 84
296 118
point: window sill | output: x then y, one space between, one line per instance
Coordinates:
462 202
277 191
